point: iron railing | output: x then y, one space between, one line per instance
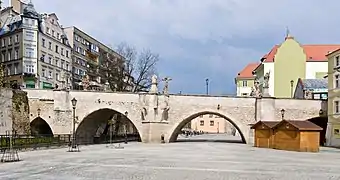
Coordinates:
23 142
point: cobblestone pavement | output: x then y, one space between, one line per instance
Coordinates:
175 161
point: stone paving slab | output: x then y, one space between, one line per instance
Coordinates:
175 161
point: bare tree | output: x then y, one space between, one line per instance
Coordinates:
130 71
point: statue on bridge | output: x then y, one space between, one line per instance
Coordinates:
166 85
256 92
154 84
266 80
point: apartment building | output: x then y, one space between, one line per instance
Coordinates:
55 62
35 51
333 110
245 80
19 46
85 58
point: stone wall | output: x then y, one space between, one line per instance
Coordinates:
5 110
20 112
14 111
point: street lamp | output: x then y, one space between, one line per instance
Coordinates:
74 146
125 128
282 114
320 112
38 111
207 86
291 88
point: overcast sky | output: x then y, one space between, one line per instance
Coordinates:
199 39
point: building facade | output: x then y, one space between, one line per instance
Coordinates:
333 127
245 80
55 63
289 61
35 51
85 58
19 47
210 123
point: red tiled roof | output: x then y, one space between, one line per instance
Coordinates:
313 52
247 72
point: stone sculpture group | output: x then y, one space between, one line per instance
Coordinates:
150 105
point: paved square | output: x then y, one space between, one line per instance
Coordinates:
176 161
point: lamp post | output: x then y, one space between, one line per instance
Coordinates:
291 88
74 146
207 86
282 114
218 127
125 128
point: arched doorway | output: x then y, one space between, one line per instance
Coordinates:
39 127
106 125
210 122
322 122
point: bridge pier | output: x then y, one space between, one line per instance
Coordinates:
153 131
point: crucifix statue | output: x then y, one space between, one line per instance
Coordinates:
166 85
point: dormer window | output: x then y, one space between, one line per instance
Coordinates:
52 21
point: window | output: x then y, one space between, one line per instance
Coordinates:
244 83
3 42
58 36
62 63
16 54
211 115
53 33
17 38
57 76
42 58
16 65
62 51
50 45
67 68
212 123
50 60
9 40
50 74
337 61
47 30
201 123
29 68
66 53
336 79
29 52
8 70
57 62
43 42
336 107
43 73
3 54
9 55
52 21
56 49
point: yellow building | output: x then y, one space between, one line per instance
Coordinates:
245 80
288 62
210 123
333 128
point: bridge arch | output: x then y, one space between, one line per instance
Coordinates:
175 130
39 127
95 124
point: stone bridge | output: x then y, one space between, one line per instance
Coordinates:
155 114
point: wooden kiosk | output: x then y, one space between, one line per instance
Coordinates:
300 136
264 134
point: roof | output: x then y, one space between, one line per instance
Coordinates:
269 124
314 52
314 83
247 72
301 125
